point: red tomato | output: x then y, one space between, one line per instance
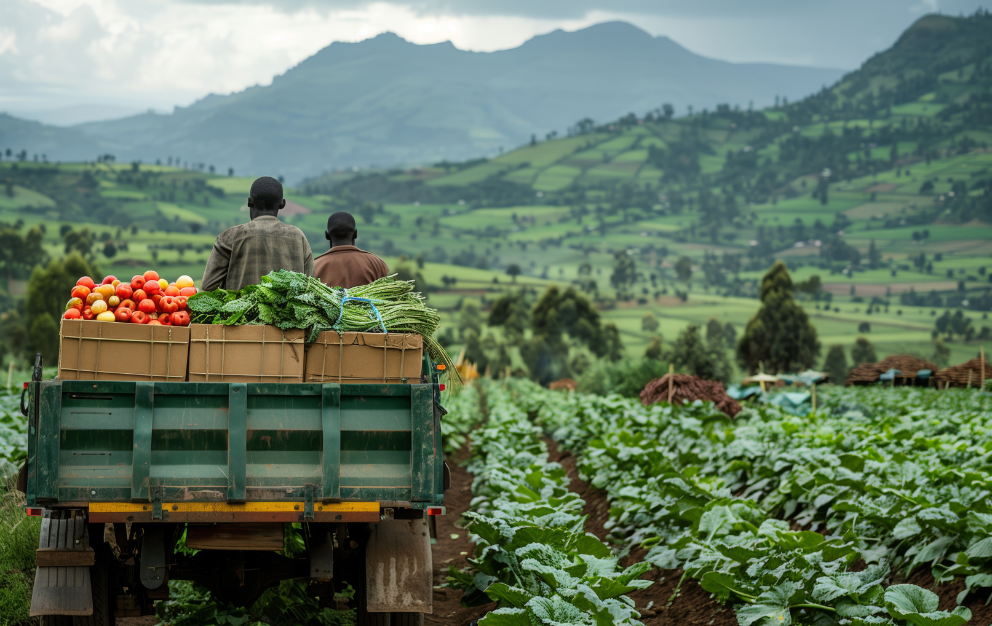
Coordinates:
139 317
180 318
165 321
151 287
181 301
147 306
139 295
74 303
151 275
171 290
122 314
109 279
124 291
137 282
154 323
87 282
72 314
156 299
80 291
88 313
187 291
168 304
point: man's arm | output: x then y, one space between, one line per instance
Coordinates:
215 273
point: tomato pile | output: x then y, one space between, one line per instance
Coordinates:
147 299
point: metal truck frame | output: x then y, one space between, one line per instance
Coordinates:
132 477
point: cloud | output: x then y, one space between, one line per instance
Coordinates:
165 52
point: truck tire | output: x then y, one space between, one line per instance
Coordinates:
408 619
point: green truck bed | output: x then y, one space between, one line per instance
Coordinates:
183 452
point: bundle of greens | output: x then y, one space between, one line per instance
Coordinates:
290 300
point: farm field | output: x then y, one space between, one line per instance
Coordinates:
841 516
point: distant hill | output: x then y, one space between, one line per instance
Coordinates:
386 101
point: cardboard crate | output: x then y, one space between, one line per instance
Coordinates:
364 358
92 350
245 354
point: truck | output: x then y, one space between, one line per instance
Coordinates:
139 483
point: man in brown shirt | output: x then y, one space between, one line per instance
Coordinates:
243 254
345 265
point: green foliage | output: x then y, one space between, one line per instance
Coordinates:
289 300
286 604
863 351
556 314
691 355
780 337
532 556
835 364
626 377
47 292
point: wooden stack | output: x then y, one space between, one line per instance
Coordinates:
970 374
682 388
864 374
565 384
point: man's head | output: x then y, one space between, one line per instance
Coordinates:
341 229
265 197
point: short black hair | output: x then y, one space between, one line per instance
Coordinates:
341 224
267 193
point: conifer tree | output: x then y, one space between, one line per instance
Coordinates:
835 364
863 351
780 337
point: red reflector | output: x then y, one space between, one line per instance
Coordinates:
441 387
25 385
435 510
34 512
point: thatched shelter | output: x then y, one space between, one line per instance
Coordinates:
682 388
565 384
864 374
909 368
972 373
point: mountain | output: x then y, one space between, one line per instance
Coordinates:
386 101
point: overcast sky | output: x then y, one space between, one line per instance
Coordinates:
161 53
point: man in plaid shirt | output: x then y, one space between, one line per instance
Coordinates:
243 254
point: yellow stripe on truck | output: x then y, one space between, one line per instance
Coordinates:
227 512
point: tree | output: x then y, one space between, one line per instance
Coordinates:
714 330
649 323
110 250
730 335
780 337
624 271
511 313
556 314
705 360
863 351
668 110
683 268
864 327
614 345
835 364
941 353
874 256
655 349
513 270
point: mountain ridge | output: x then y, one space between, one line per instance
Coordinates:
387 101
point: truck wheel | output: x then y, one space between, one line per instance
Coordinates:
408 619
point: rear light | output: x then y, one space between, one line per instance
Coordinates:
25 385
435 510
34 512
441 367
441 387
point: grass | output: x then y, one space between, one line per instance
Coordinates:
18 541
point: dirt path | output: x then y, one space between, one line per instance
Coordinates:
691 607
448 610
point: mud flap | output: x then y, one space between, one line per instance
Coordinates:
62 590
398 566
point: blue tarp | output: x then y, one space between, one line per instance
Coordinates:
890 375
809 377
739 393
923 374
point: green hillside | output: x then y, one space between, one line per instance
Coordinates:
878 185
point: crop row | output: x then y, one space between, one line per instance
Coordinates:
770 511
532 555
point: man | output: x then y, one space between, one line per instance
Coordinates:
243 254
345 265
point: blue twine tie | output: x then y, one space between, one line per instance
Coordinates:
371 303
